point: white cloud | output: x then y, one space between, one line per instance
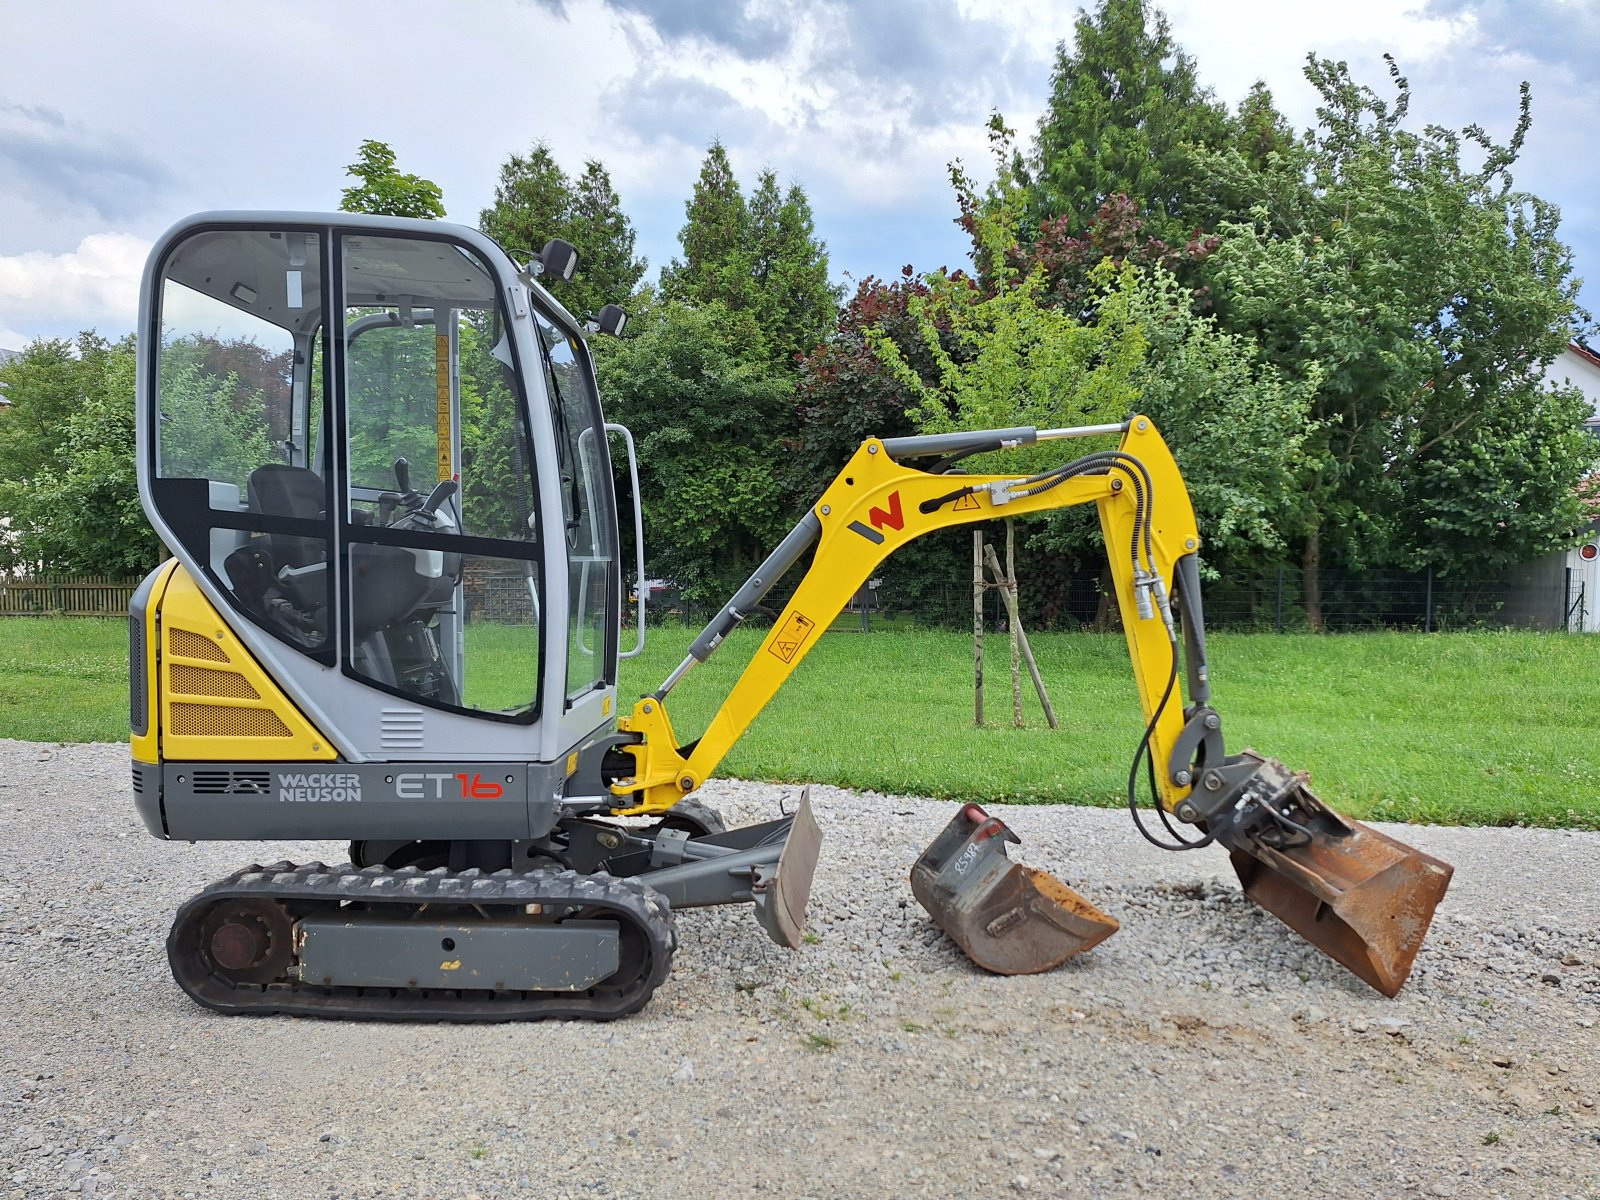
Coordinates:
96 284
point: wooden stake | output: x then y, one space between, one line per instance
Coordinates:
1022 639
1016 626
977 627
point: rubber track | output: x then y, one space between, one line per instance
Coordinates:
627 900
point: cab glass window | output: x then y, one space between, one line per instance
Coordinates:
442 565
240 312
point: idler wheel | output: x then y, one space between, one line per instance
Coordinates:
248 941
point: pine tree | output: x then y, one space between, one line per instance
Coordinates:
1125 108
792 296
716 264
608 273
535 201
759 256
532 203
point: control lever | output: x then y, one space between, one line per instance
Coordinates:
402 473
446 489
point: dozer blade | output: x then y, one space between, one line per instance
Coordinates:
1007 918
1360 896
781 896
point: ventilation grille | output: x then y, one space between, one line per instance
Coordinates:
137 698
203 681
192 645
232 783
401 729
216 720
138 780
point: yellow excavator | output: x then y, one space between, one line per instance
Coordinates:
394 616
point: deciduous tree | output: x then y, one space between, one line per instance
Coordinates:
1420 296
384 190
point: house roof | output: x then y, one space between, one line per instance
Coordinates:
1578 348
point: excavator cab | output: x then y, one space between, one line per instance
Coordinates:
376 451
390 479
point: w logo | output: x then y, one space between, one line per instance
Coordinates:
893 518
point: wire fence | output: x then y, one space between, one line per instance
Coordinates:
1273 601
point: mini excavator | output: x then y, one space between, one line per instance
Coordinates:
393 617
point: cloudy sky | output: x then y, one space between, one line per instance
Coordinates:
118 118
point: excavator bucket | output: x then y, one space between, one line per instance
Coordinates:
1360 896
1007 918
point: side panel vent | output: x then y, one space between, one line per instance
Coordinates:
203 681
401 729
138 694
138 781
232 783
192 645
217 720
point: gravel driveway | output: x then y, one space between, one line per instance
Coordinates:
1203 1051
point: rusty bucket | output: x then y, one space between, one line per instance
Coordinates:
1007 918
1360 896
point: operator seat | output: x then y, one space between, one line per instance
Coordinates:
278 489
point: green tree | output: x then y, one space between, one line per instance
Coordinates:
1126 111
759 256
717 263
1237 424
535 201
710 418
1008 355
790 293
67 480
384 190
1420 297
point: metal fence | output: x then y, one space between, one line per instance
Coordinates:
58 596
1273 601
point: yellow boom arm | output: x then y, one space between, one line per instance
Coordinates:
876 505
1358 895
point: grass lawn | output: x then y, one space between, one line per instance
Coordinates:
1469 728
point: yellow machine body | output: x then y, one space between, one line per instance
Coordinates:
212 701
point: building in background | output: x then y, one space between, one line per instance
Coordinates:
5 357
1562 590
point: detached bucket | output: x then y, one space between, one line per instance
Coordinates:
1361 897
1007 918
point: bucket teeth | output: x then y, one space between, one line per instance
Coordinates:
1007 918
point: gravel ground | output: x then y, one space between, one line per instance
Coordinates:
1202 1051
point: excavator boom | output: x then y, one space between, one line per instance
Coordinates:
1359 896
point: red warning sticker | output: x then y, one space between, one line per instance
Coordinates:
787 641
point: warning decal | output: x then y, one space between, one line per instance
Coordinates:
970 500
441 385
787 641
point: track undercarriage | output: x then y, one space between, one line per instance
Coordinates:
580 927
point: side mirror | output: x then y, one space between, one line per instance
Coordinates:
559 259
611 320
